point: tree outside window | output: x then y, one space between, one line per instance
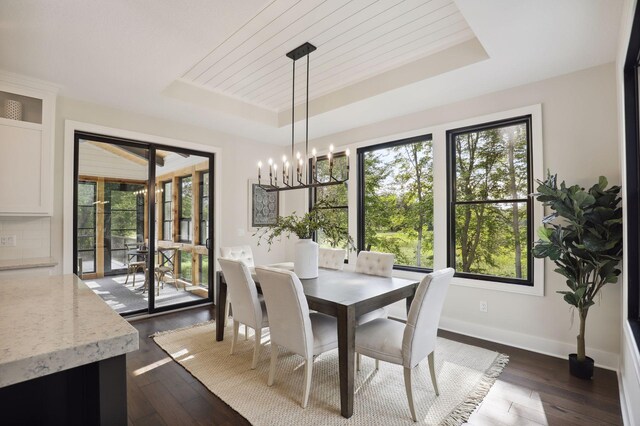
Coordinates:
333 203
489 207
396 201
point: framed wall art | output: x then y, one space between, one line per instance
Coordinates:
264 207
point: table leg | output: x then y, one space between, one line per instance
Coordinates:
346 354
221 302
409 301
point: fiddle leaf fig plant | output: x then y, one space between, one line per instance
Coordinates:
583 237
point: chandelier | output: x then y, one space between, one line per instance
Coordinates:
305 166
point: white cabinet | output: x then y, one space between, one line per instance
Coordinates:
27 112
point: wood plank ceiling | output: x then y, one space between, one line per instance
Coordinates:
356 39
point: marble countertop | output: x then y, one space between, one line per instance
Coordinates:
50 324
35 262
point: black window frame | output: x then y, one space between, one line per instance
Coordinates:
632 166
204 195
93 208
188 220
360 152
164 185
451 203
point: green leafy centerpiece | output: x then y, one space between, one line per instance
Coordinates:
583 237
305 227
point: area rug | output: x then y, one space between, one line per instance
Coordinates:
465 374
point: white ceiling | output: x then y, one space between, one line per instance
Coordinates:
355 40
128 54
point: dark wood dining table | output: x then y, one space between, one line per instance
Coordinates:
344 295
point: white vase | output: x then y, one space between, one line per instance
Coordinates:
305 264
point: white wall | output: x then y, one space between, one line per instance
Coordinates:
629 373
579 133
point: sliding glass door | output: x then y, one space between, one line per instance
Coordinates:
182 226
121 187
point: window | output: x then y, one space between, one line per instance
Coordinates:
123 222
632 158
489 210
86 223
395 201
334 206
167 211
204 207
185 198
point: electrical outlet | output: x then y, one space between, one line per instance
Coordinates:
7 241
484 307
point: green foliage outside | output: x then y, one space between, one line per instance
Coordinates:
583 237
186 266
398 202
491 238
204 271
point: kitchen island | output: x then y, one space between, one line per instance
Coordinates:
62 353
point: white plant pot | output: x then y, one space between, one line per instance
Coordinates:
305 264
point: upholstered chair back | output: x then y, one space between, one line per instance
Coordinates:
331 258
242 253
288 311
420 333
243 292
374 263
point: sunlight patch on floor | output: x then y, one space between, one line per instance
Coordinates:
151 366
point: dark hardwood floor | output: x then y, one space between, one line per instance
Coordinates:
533 389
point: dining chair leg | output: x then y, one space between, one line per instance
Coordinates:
234 339
246 332
256 347
358 359
377 364
274 360
226 311
432 370
407 385
308 370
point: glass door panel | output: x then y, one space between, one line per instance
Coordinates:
183 230
111 222
122 187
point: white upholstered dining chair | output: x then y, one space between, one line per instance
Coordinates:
378 264
331 258
407 345
291 325
244 254
247 308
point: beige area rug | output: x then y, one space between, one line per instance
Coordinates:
465 375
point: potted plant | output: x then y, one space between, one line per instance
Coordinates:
305 227
583 237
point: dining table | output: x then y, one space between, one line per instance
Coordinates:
344 295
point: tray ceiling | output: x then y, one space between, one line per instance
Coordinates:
356 40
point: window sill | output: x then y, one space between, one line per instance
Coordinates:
535 290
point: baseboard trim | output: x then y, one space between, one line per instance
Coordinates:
606 360
624 406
